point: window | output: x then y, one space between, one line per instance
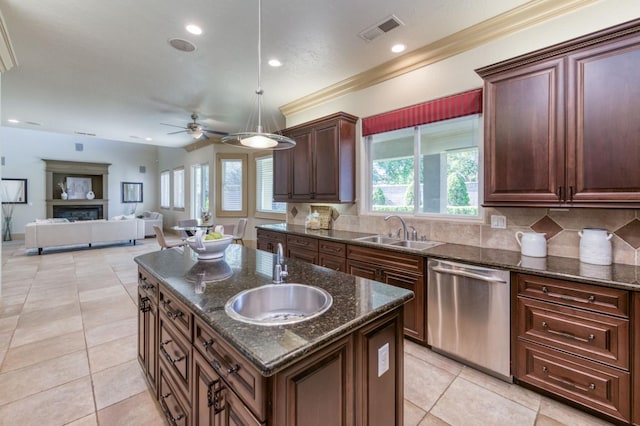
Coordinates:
430 169
231 184
200 189
264 187
165 189
178 188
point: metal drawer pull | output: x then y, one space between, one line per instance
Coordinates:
589 339
213 397
467 274
167 413
590 299
218 367
208 343
144 306
166 354
148 287
591 387
174 315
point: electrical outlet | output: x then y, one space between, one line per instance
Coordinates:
383 359
499 222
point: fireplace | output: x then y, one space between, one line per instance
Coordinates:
78 212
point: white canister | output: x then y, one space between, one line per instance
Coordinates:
532 244
595 246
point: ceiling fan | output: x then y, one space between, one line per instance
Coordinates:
195 129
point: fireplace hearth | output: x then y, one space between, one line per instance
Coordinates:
78 212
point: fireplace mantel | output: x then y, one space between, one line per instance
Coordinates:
57 170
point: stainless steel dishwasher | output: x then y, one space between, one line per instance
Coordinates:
468 315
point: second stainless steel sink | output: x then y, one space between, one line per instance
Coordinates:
379 239
388 241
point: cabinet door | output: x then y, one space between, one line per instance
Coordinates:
147 339
524 135
333 262
362 269
306 255
282 175
302 166
415 309
603 137
327 162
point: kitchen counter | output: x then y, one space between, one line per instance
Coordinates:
617 275
356 301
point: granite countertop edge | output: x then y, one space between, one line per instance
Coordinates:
622 276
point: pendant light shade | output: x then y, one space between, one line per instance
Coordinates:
259 139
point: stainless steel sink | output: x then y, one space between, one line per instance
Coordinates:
278 304
419 245
379 239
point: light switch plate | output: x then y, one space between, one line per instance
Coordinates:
383 359
499 222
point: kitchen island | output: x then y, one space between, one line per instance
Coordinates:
342 367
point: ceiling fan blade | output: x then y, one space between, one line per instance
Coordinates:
179 131
173 125
215 132
204 135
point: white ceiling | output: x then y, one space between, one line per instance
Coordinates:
106 68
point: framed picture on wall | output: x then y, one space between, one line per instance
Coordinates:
78 188
13 191
131 192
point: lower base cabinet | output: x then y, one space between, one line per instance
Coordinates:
203 380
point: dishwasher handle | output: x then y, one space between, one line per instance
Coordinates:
467 274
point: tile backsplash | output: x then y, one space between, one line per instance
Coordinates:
561 227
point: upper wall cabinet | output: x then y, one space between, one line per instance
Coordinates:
561 124
321 167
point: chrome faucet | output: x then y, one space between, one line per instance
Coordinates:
414 233
404 225
279 268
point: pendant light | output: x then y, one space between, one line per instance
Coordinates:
259 139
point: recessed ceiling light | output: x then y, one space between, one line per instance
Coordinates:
194 29
148 139
13 120
397 48
275 63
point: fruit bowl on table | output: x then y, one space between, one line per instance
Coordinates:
210 249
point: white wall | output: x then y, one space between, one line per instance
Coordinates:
24 150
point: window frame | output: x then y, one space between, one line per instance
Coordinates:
205 195
368 184
265 214
220 157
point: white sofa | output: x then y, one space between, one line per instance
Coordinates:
43 234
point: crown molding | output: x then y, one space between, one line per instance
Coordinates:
201 143
519 18
7 55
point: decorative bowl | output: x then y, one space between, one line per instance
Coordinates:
209 249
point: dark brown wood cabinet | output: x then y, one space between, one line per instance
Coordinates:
560 124
148 328
321 167
573 340
268 240
635 332
398 269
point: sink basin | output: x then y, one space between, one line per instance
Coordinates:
419 245
278 304
379 239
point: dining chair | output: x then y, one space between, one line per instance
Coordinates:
238 232
187 223
162 241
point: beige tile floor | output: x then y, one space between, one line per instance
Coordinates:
68 325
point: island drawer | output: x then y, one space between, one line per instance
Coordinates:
596 336
175 353
299 242
332 248
177 313
595 298
241 376
174 406
594 385
148 286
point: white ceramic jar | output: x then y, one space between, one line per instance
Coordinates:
532 244
595 246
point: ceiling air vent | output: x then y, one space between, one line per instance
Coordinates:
182 45
384 26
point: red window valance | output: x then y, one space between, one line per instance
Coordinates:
459 105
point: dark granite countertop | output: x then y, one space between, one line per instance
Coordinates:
270 348
617 275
